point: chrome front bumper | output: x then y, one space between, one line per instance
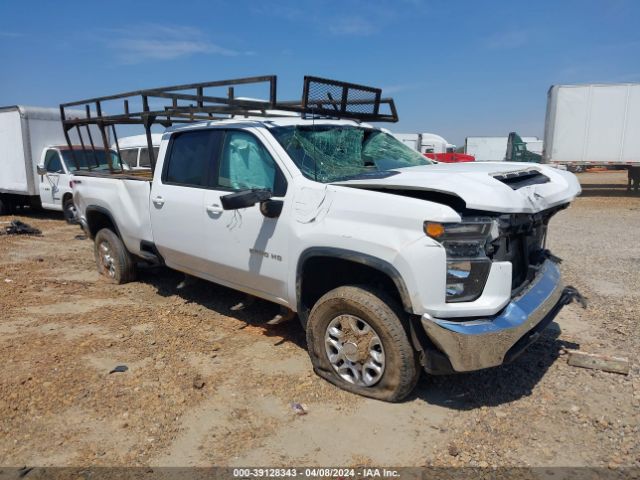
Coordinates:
482 343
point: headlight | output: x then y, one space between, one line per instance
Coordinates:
467 262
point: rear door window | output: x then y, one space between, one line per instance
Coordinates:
190 157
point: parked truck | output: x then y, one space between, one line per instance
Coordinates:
433 146
392 262
593 124
36 161
133 150
494 149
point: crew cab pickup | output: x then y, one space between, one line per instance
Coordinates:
392 262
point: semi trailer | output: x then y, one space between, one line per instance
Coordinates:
593 125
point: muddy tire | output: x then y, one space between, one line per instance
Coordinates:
112 258
69 210
357 341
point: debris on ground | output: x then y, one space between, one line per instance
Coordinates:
20 228
284 316
119 369
198 382
247 302
299 408
453 450
598 362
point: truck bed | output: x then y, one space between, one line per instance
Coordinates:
124 196
145 175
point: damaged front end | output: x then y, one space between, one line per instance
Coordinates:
474 243
537 292
521 241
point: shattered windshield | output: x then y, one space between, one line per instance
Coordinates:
330 153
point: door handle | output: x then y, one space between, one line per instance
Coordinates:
158 201
215 208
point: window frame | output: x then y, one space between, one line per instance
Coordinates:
215 174
210 152
129 149
47 161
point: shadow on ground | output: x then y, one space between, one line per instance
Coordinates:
465 391
499 385
220 299
28 212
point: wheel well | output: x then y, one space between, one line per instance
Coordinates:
65 197
97 220
320 274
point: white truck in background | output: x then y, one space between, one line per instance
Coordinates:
494 149
425 142
593 124
433 146
35 161
134 150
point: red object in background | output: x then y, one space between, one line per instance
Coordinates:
450 157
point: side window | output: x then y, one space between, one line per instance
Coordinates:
246 164
130 156
189 158
144 156
52 162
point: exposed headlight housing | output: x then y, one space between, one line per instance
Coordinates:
466 244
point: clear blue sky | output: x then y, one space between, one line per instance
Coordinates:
457 68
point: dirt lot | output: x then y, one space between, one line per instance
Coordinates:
62 329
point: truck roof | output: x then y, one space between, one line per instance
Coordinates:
268 122
138 141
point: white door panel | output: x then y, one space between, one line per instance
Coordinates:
49 185
177 220
245 248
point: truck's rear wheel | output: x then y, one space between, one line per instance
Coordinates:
356 341
112 257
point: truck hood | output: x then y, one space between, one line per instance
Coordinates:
504 187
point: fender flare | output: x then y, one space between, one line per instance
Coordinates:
356 257
103 211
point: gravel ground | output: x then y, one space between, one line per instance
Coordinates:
207 385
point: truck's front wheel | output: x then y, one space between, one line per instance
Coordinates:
112 257
356 340
69 210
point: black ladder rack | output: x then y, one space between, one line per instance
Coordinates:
321 98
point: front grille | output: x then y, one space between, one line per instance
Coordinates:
521 241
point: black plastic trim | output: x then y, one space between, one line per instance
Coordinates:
104 211
357 257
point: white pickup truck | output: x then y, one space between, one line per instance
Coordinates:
391 261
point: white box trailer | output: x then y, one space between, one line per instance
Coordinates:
494 149
594 124
32 137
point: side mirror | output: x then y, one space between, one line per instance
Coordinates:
41 170
244 199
